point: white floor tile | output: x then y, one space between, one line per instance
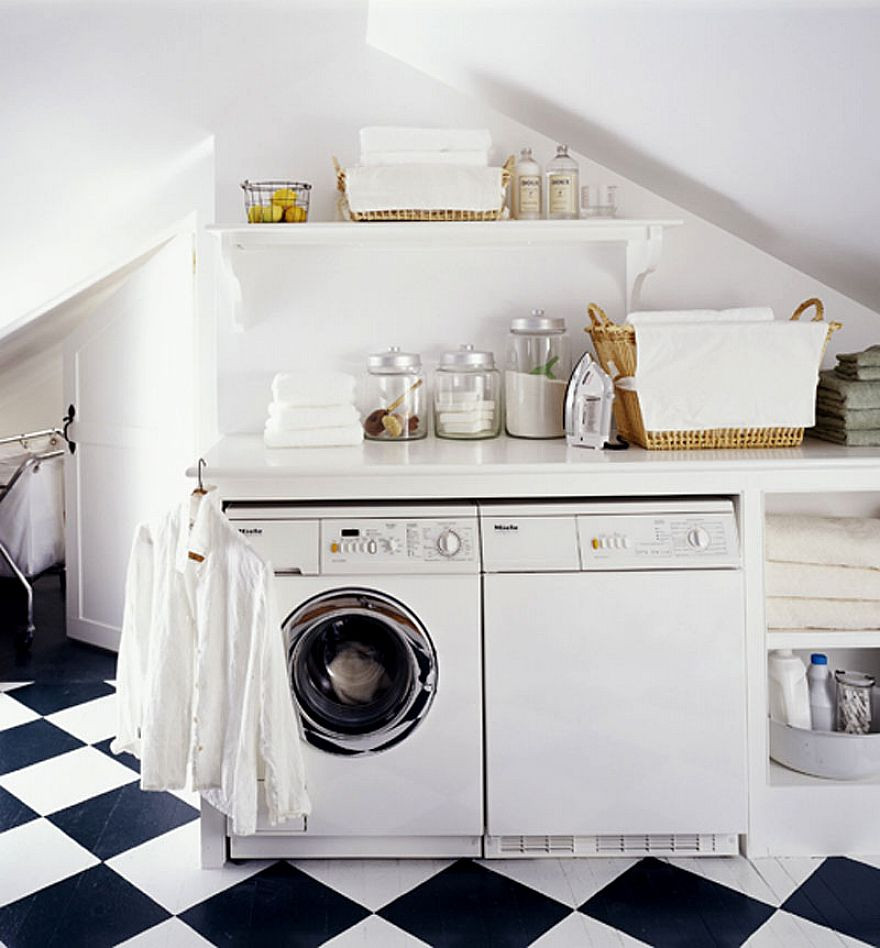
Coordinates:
570 881
69 778
374 932
167 869
172 933
12 685
784 930
580 931
36 855
13 713
371 882
735 872
868 860
784 876
91 721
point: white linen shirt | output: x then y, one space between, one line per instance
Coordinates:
202 673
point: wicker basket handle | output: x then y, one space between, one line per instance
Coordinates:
597 315
340 175
507 170
815 301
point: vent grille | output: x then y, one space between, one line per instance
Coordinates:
537 845
652 844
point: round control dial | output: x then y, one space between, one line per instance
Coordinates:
698 538
448 543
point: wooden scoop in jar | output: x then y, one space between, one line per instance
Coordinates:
384 419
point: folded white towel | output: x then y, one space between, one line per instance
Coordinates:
314 437
838 541
305 389
395 138
822 614
808 580
746 314
296 417
424 187
474 157
691 376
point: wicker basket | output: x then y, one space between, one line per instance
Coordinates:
617 344
418 215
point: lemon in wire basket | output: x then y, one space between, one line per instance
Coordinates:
276 202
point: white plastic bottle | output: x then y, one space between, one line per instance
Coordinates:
563 191
527 201
788 691
821 685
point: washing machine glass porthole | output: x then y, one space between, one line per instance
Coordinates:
362 670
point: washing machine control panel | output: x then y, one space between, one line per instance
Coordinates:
379 545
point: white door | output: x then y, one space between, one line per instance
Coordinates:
615 703
128 371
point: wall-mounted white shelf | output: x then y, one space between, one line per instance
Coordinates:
779 776
643 240
819 639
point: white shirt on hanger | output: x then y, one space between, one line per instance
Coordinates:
202 671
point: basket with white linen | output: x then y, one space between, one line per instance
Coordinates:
496 184
615 346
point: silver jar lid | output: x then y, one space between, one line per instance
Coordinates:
467 357
854 679
394 361
537 323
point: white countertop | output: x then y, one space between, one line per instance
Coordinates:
242 466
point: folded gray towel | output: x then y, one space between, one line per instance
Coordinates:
852 394
852 419
864 373
868 438
869 356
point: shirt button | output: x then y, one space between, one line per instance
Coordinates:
201 748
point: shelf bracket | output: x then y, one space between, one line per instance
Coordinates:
642 257
230 285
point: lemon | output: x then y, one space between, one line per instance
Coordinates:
272 214
284 197
295 215
255 214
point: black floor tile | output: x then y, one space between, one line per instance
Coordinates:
92 909
466 904
124 758
844 895
121 819
33 742
13 812
280 906
667 906
49 697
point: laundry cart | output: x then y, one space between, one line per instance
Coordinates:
31 512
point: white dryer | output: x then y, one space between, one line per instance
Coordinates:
381 609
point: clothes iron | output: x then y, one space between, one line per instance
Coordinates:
588 401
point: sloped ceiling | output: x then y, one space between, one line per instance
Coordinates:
760 117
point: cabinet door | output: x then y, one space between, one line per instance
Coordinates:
128 370
615 703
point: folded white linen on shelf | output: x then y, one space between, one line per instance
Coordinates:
383 138
809 580
424 187
745 314
731 375
837 541
306 389
283 416
337 436
783 613
474 157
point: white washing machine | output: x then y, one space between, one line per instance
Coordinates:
382 612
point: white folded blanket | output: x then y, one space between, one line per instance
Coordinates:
305 389
385 138
314 437
808 580
838 541
822 614
424 187
474 157
745 314
283 416
691 376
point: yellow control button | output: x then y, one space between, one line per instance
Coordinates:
595 543
334 547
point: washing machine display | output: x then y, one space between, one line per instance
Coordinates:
362 668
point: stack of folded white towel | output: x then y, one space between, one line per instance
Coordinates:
388 145
312 409
822 572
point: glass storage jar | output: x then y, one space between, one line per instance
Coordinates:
854 701
467 395
536 376
395 400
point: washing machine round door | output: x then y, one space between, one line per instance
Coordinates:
363 670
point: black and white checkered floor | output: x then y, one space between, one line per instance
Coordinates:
87 858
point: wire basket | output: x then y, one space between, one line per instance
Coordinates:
276 202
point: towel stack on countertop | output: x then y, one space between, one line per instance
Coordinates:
848 400
311 410
822 572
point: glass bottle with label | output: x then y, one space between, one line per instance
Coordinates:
563 193
527 201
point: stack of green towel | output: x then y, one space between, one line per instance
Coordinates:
848 400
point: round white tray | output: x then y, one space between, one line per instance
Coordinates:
829 754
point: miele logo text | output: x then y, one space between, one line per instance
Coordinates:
506 526
251 531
